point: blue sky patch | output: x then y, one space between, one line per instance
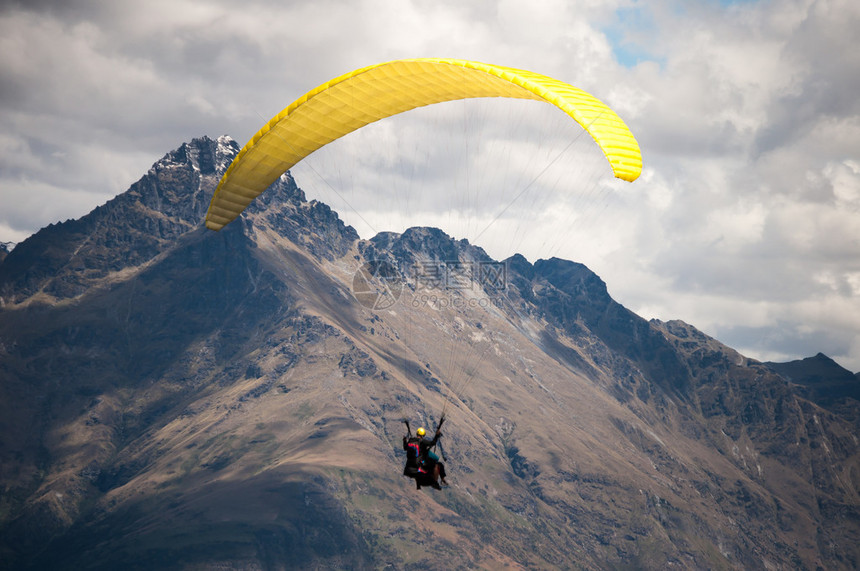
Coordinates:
625 35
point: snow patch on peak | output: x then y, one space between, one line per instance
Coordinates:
225 152
203 155
193 153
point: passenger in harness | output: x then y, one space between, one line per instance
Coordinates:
422 463
413 454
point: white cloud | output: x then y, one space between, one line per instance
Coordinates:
743 223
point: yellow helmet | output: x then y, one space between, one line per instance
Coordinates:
420 432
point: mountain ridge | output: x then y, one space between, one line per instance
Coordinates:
824 382
177 398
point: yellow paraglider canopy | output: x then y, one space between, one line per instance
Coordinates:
363 96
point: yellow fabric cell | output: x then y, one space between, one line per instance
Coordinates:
363 96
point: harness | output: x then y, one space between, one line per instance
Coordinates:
414 450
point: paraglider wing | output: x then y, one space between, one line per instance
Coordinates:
360 97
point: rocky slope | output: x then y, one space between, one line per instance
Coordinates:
174 398
5 248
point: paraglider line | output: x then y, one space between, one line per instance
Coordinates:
535 179
323 179
459 384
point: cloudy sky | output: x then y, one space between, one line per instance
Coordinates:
745 221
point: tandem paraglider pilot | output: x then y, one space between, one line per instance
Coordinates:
422 463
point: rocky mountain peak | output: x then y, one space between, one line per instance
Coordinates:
823 381
680 329
520 266
127 231
203 154
573 278
421 245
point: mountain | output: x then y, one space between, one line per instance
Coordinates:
823 381
5 248
176 398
